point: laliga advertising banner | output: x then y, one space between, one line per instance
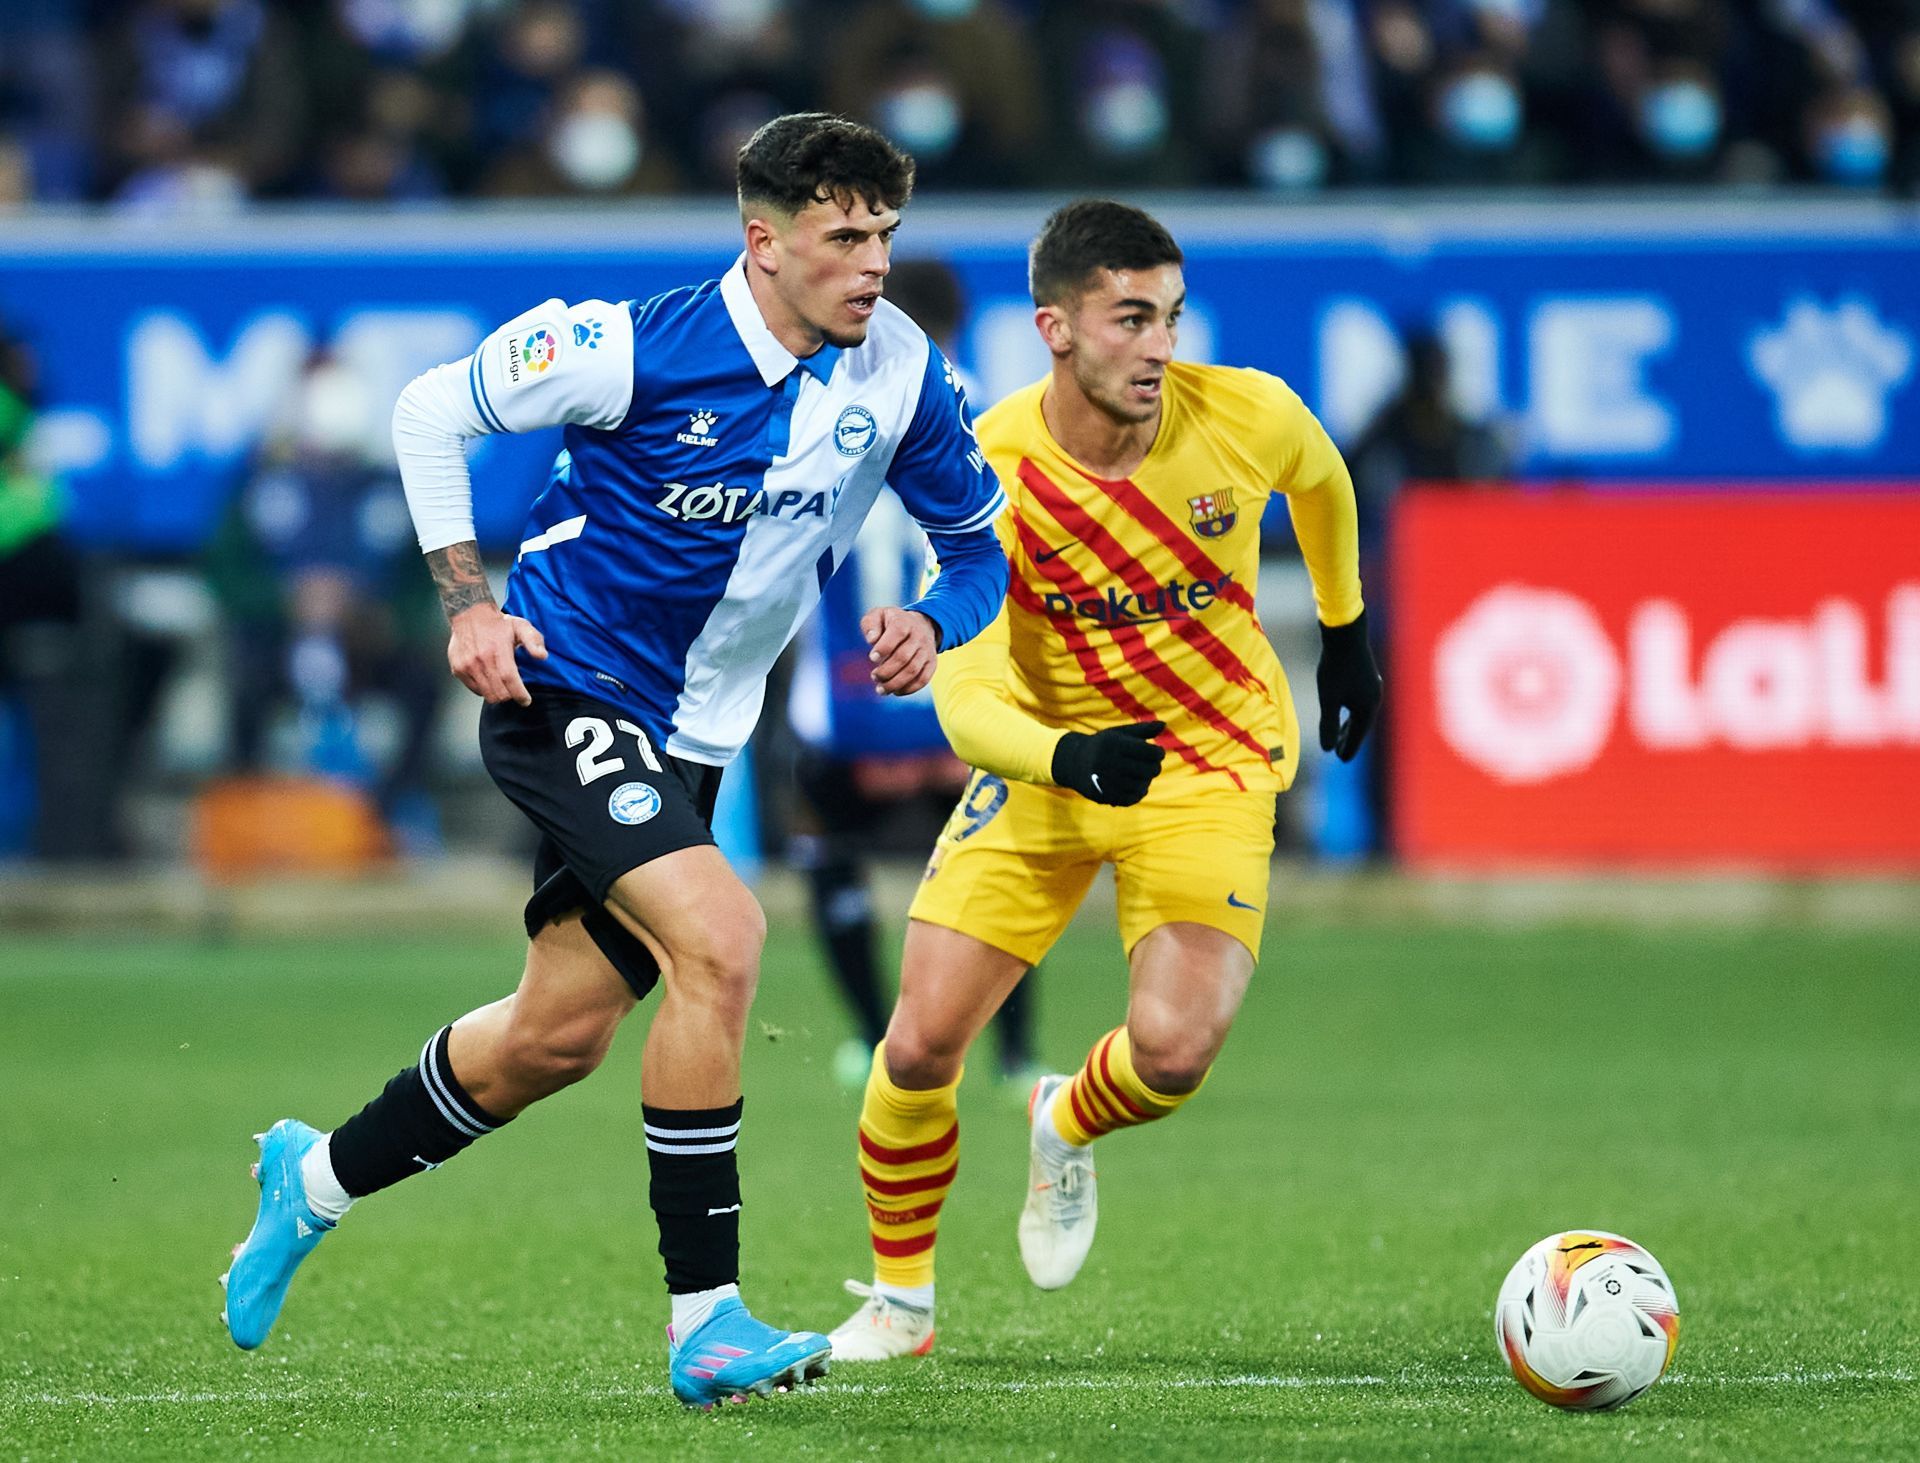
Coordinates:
1726 678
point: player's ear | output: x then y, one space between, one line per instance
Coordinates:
762 237
1055 329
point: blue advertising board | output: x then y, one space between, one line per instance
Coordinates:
1621 345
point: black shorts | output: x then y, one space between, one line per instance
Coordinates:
605 798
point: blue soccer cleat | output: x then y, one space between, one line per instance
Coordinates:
284 1233
731 1354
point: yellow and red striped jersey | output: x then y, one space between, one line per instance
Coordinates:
1133 599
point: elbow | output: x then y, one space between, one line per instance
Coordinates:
954 727
410 415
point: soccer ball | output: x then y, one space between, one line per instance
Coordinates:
1587 1320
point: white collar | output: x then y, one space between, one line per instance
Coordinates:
774 360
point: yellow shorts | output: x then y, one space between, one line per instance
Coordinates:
1016 859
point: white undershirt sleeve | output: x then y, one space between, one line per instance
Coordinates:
555 365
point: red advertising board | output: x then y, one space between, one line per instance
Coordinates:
1689 677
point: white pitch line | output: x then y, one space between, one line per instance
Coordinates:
830 1389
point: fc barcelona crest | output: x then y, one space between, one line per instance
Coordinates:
1213 513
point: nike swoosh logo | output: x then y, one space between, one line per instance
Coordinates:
1046 554
1241 904
1094 778
730 1209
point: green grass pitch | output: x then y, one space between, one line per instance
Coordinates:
1301 1264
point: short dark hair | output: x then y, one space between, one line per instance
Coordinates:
1090 235
814 157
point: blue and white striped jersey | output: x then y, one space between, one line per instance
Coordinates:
710 486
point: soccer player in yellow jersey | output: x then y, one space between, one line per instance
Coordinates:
1124 708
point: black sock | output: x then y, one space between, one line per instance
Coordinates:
695 1193
843 913
421 1119
1014 1026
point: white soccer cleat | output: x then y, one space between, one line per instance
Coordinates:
1056 1227
882 1329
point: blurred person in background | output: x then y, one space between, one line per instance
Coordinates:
1849 138
723 128
1420 434
45 84
16 176
1891 36
40 611
532 52
1124 78
717 70
862 755
203 103
1661 108
1291 98
391 84
314 566
954 80
593 142
1479 132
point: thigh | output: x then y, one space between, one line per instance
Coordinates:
1012 865
1206 859
569 979
593 782
1186 983
950 985
606 802
690 905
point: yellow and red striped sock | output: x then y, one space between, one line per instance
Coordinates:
1106 1093
909 1153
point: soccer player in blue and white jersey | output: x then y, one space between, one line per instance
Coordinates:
723 444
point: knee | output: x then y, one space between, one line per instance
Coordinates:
919 1059
1172 1060
545 1056
719 962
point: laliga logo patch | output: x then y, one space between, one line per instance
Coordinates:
632 803
854 432
540 350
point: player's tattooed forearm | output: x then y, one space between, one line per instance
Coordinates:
460 578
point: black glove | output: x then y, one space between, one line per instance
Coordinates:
1113 765
1350 682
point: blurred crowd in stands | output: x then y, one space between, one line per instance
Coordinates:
167 105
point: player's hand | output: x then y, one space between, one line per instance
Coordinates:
481 650
1350 682
1113 765
903 646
